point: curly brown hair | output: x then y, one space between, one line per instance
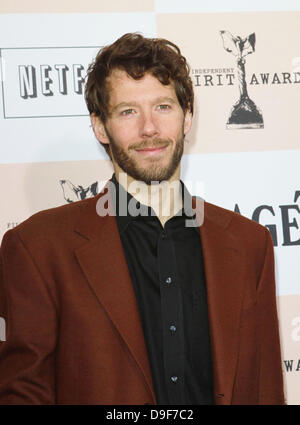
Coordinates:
138 55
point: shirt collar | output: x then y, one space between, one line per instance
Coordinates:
146 212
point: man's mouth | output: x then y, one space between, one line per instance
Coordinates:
151 150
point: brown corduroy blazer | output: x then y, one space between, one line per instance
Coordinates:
74 334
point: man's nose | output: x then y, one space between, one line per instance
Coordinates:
149 126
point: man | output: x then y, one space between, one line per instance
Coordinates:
170 302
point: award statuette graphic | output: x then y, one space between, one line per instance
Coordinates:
244 113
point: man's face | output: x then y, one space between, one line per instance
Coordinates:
145 128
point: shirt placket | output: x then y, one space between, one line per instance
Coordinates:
172 319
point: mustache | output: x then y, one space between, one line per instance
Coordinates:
150 144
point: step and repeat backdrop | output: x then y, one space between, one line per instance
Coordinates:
244 146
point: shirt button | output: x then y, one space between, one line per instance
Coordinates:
173 328
168 280
164 235
174 379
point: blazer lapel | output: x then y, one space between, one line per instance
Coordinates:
224 265
104 264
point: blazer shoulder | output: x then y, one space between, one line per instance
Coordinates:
246 235
52 221
234 221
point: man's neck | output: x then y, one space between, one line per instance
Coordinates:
165 198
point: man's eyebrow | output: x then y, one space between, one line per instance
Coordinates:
123 105
160 99
166 99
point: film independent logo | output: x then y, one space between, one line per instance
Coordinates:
244 113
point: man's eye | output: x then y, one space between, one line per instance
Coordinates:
127 112
163 107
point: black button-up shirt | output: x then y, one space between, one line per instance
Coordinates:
167 272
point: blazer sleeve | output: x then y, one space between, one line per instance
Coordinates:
270 373
27 374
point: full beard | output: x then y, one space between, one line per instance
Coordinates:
153 172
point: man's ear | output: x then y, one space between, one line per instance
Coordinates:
99 129
188 118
